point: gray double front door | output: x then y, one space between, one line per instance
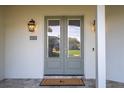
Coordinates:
64 45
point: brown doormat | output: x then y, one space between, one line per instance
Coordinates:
62 82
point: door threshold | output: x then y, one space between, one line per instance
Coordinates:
64 77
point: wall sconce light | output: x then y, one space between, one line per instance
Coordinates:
94 25
31 25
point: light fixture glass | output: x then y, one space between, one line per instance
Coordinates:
31 25
94 25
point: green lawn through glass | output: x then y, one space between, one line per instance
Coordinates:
74 52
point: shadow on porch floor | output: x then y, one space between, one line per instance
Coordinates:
34 83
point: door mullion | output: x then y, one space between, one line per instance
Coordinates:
66 44
63 43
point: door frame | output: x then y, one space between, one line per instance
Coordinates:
81 37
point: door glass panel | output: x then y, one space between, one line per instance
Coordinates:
74 38
53 32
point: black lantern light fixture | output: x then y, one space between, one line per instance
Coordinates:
31 25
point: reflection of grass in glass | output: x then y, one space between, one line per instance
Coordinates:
71 53
74 52
55 54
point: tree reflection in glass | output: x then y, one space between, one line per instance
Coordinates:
53 38
73 38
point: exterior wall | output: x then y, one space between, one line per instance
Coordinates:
115 42
25 58
1 44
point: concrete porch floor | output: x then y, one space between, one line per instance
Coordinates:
34 83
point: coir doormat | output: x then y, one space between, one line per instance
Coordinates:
62 82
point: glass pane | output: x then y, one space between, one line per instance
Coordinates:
53 38
74 38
